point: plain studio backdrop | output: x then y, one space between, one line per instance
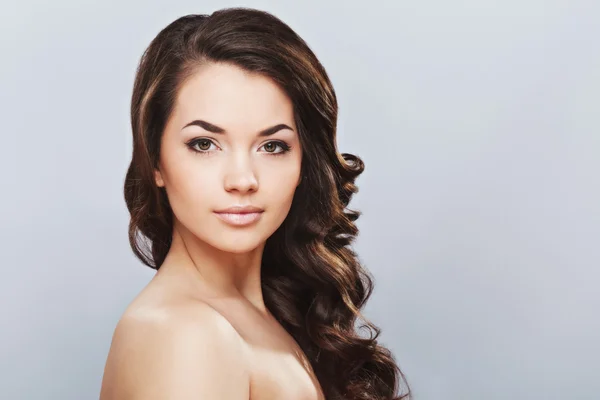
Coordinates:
479 125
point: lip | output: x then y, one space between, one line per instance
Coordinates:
240 215
240 210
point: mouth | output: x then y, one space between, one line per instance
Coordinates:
240 216
240 210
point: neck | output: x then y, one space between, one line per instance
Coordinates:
214 272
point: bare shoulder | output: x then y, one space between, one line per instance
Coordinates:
176 351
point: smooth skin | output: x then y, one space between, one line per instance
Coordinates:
200 328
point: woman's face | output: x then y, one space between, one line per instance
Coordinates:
225 161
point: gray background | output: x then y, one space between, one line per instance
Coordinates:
478 123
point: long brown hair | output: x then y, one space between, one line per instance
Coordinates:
312 280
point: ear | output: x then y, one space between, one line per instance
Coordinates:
158 178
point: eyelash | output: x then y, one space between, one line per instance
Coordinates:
284 146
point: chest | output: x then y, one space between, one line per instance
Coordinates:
278 367
282 375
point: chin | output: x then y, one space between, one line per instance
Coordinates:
237 244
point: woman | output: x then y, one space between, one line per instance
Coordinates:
238 197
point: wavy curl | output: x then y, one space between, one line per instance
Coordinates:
312 280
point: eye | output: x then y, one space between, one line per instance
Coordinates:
201 146
272 145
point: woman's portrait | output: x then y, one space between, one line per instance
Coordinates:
330 200
238 186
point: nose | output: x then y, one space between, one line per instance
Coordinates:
240 175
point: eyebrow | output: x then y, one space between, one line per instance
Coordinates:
215 129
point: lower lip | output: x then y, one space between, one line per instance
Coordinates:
239 219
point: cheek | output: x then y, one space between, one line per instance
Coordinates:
278 185
192 193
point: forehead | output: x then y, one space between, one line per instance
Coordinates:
231 97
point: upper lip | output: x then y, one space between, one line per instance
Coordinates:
240 210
